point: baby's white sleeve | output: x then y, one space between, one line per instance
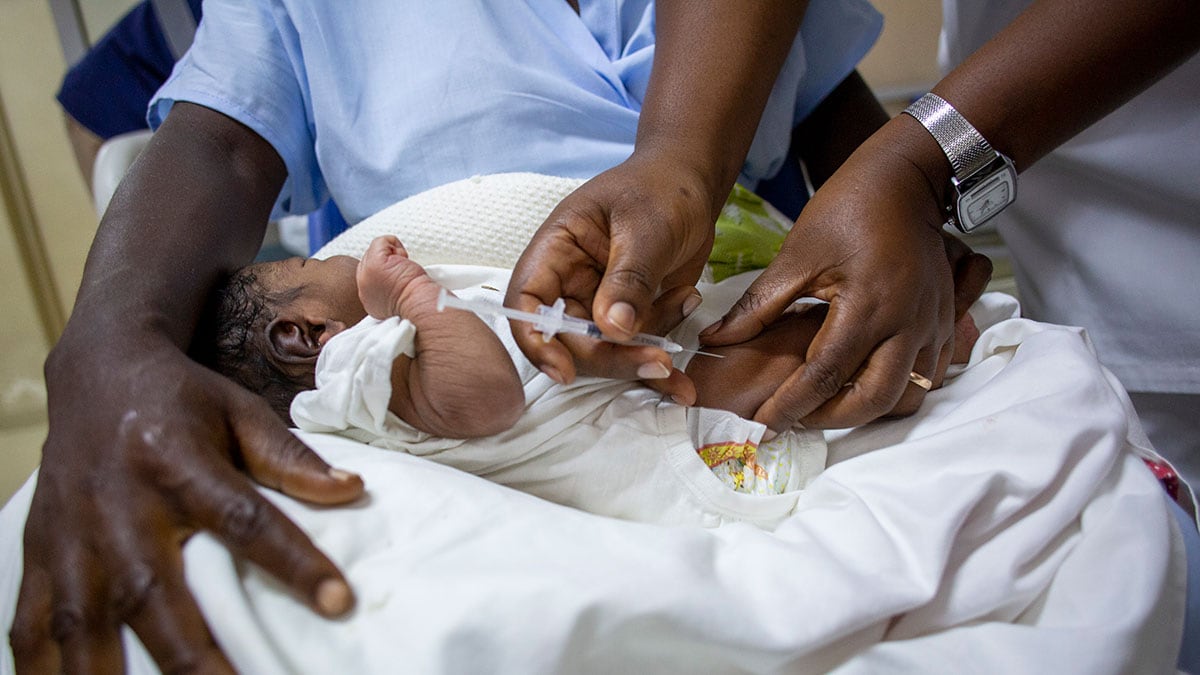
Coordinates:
354 386
354 377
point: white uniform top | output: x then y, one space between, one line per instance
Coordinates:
1105 232
372 101
609 447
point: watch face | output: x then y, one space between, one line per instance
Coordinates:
986 198
988 201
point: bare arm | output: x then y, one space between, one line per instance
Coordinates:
200 194
461 383
875 254
145 446
637 232
1061 66
704 99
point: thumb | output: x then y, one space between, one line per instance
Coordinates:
671 308
625 299
760 305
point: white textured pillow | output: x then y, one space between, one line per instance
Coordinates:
483 220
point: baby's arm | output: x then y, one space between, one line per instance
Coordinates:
462 382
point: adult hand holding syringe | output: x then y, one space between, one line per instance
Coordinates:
552 320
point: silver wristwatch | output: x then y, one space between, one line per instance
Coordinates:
984 181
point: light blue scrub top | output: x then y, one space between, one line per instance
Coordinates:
371 101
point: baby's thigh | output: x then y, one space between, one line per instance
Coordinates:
751 371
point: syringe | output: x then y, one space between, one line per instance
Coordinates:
550 321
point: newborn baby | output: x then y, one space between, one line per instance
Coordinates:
359 348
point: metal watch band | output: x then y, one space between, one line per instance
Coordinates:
966 148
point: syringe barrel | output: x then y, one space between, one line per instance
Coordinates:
573 324
655 341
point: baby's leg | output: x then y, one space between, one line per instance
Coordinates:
751 371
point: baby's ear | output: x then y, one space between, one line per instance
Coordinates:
294 343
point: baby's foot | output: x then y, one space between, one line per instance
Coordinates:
966 334
392 284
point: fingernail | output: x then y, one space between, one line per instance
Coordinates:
712 329
333 597
693 301
653 371
768 435
678 399
341 475
621 315
553 374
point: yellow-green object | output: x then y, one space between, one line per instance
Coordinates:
749 234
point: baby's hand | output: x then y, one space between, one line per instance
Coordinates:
385 275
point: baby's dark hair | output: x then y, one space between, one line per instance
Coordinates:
232 339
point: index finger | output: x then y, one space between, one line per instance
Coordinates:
584 354
763 301
274 457
33 648
547 353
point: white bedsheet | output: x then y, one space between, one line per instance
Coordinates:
1008 527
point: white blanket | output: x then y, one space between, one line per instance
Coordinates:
1008 527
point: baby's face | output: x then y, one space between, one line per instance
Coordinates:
328 287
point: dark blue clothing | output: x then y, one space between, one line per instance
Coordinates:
110 87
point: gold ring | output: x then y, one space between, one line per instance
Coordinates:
920 380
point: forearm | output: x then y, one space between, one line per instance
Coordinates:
146 447
193 205
1059 67
704 99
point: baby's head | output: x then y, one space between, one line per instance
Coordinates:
265 325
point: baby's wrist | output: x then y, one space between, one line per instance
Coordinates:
416 298
394 287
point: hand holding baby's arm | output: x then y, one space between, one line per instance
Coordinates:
462 382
